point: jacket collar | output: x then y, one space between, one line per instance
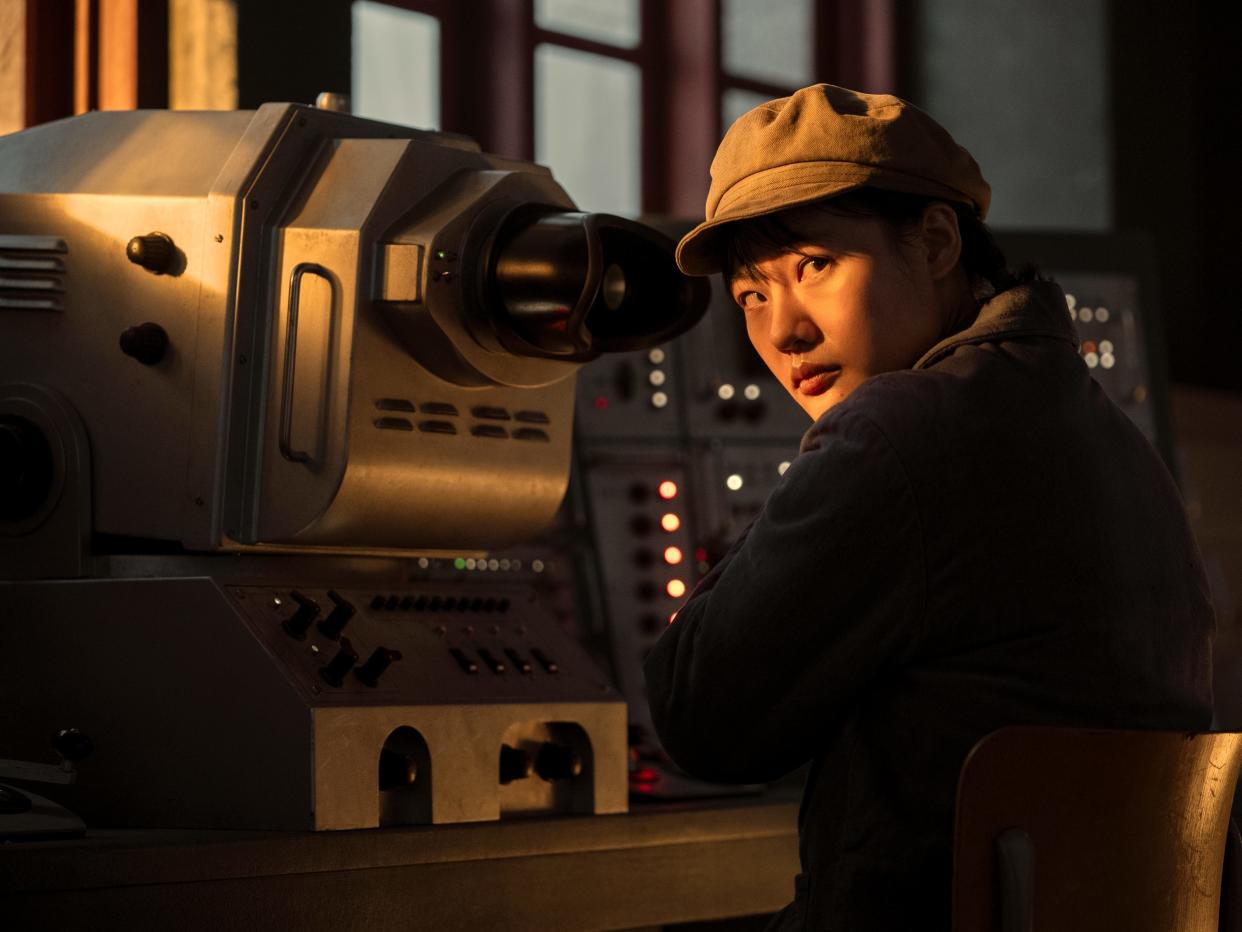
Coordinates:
1032 309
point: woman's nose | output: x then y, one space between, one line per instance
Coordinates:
790 327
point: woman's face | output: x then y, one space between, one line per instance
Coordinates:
849 302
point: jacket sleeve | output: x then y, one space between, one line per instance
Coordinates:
813 605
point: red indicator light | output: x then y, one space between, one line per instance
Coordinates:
675 588
670 522
601 402
1089 346
672 555
667 489
700 554
645 775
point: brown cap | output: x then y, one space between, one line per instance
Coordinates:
822 141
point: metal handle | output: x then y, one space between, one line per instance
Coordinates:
291 352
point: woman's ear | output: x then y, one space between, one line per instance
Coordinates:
942 240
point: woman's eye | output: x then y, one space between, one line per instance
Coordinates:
815 263
749 299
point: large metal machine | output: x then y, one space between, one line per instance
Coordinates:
258 372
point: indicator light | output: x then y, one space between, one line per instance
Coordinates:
656 377
751 392
700 553
675 588
670 522
667 489
601 402
659 400
734 482
672 555
780 470
656 356
460 563
672 618
725 392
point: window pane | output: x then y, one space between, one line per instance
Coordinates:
611 21
396 65
734 102
587 127
772 41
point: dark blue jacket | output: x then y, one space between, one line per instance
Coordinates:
982 540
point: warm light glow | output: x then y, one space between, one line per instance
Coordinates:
667 489
670 522
675 588
734 482
672 555
672 618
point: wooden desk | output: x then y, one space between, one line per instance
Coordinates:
658 864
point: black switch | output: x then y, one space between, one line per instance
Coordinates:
520 663
342 611
379 661
341 664
307 611
495 664
463 661
544 660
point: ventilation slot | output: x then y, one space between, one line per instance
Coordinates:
32 273
394 404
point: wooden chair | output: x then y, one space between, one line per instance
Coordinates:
1087 830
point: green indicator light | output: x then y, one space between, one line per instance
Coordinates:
460 563
441 254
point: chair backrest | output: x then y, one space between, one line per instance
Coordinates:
1068 829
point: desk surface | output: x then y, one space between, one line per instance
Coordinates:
658 864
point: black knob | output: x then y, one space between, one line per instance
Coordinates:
155 252
379 661
307 611
71 744
514 764
341 664
26 468
338 618
557 762
148 343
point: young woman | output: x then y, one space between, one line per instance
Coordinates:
971 536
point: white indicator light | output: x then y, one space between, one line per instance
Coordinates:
1108 360
1086 315
725 392
656 356
656 376
734 482
1070 301
751 392
470 563
1092 360
659 400
675 588
1102 315
1106 346
537 565
780 470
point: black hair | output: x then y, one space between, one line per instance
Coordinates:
747 242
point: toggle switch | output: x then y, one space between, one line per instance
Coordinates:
307 611
341 664
342 611
515 764
379 661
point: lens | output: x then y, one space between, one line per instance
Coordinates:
613 290
573 285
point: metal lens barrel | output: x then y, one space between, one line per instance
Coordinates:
575 285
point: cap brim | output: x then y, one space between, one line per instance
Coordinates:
700 251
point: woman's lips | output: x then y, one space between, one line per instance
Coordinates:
815 382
